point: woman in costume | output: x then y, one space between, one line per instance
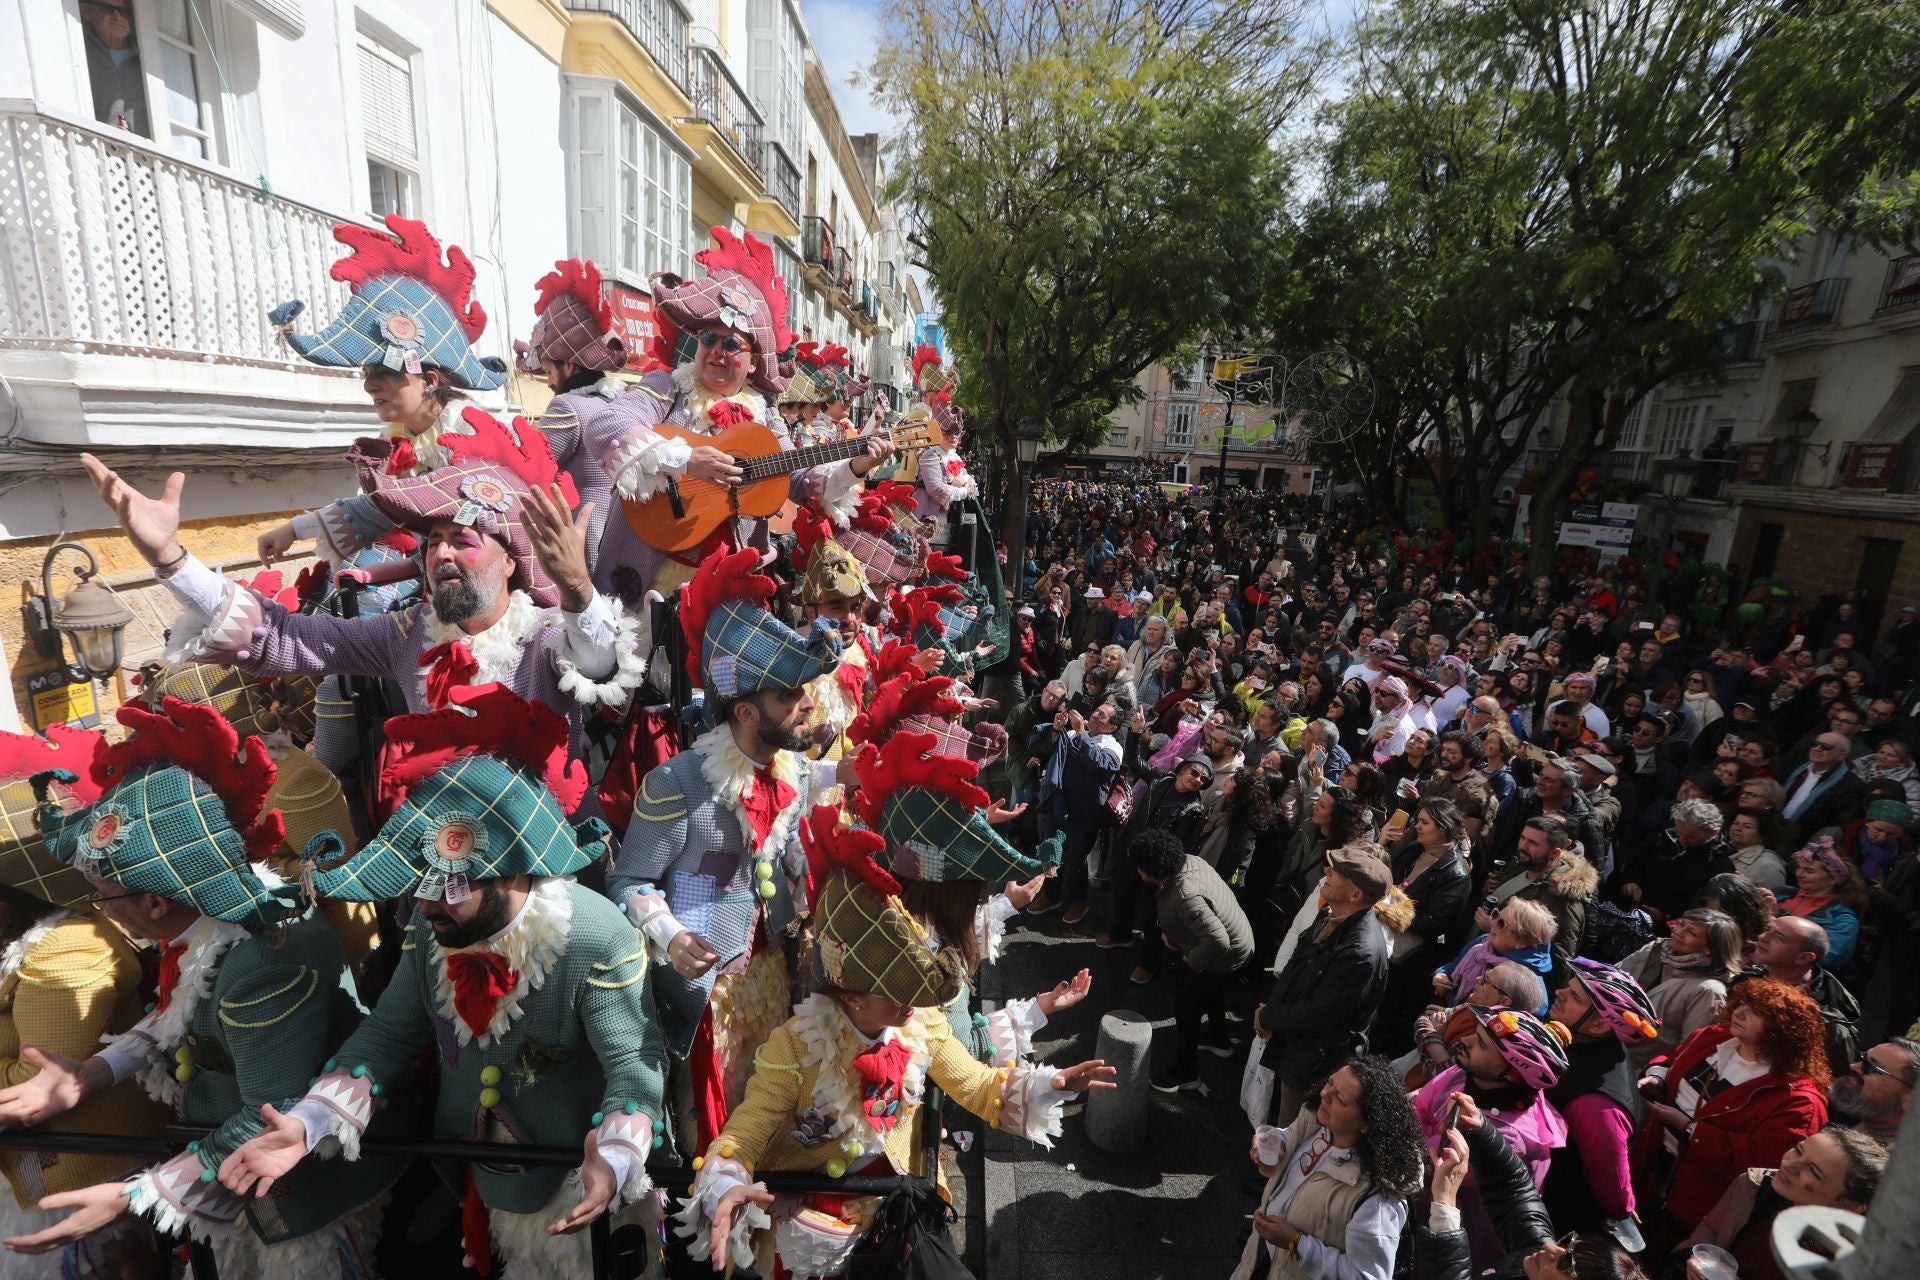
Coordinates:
838 1087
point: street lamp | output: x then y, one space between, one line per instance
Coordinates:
90 616
1802 426
1027 439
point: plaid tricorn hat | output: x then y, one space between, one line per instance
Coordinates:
831 572
741 291
930 378
820 374
25 864
864 937
491 472
915 702
176 810
933 815
485 789
735 646
892 552
408 308
574 321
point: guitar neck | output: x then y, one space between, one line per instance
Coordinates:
787 461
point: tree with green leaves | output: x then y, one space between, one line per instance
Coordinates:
1570 198
1090 185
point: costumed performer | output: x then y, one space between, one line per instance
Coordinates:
838 1087
170 830
531 990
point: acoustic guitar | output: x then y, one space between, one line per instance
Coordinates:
688 511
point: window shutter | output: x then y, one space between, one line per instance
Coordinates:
386 105
285 17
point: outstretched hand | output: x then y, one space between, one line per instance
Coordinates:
93 1208
724 1213
267 1157
1065 995
60 1085
559 540
596 1191
1094 1073
150 523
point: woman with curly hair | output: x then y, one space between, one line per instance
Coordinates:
1736 1095
1831 894
1335 1199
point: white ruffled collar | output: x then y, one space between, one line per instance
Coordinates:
729 771
498 649
15 953
829 1042
429 454
531 946
700 400
207 940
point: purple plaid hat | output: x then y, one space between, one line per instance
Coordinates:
742 291
575 321
981 743
492 471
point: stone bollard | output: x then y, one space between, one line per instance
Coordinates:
1117 1117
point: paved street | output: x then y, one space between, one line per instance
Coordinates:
1176 1207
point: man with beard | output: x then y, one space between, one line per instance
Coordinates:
1873 1095
711 870
511 603
527 989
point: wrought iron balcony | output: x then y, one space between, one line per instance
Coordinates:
816 244
1901 292
781 175
1812 306
1741 343
720 101
659 25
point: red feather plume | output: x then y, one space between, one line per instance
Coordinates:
810 529
909 609
900 698
835 358
831 847
942 565
24 754
923 355
413 252
752 258
200 740
528 458
529 734
808 354
581 279
907 760
896 658
720 579
268 585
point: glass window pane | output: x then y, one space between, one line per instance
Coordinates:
171 17
592 127
182 86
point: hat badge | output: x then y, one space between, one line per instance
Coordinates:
449 845
401 327
108 831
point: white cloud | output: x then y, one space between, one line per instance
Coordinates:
845 35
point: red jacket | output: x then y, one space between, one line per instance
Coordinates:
1748 1126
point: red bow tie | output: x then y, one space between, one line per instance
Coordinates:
881 1069
449 666
402 459
480 980
169 974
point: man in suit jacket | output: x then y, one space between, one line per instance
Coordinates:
1823 792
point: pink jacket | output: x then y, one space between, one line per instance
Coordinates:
1534 1134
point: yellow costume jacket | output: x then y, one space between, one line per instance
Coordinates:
803 1112
64 983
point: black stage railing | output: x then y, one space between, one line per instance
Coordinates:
674 1179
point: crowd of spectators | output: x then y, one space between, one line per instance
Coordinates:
1557 902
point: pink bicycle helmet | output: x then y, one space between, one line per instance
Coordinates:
1618 999
1536 1051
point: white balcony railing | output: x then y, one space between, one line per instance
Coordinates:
108 244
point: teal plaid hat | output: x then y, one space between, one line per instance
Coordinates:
933 816
479 818
736 646
178 814
408 309
483 788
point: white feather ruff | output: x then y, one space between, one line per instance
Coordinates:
729 772
532 945
157 1035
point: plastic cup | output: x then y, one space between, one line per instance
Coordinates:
1270 1143
1714 1262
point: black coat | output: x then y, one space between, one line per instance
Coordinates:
1512 1202
1670 875
1323 1002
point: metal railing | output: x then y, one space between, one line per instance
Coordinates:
672 1177
781 175
1811 305
1901 291
659 25
720 101
843 270
816 243
109 242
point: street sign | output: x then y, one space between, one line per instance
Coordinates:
1603 537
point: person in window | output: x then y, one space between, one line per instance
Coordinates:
113 65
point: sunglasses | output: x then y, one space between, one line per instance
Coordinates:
1564 1263
95 899
731 343
1868 1067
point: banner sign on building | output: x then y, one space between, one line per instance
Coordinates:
633 321
1606 527
1870 466
1756 463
